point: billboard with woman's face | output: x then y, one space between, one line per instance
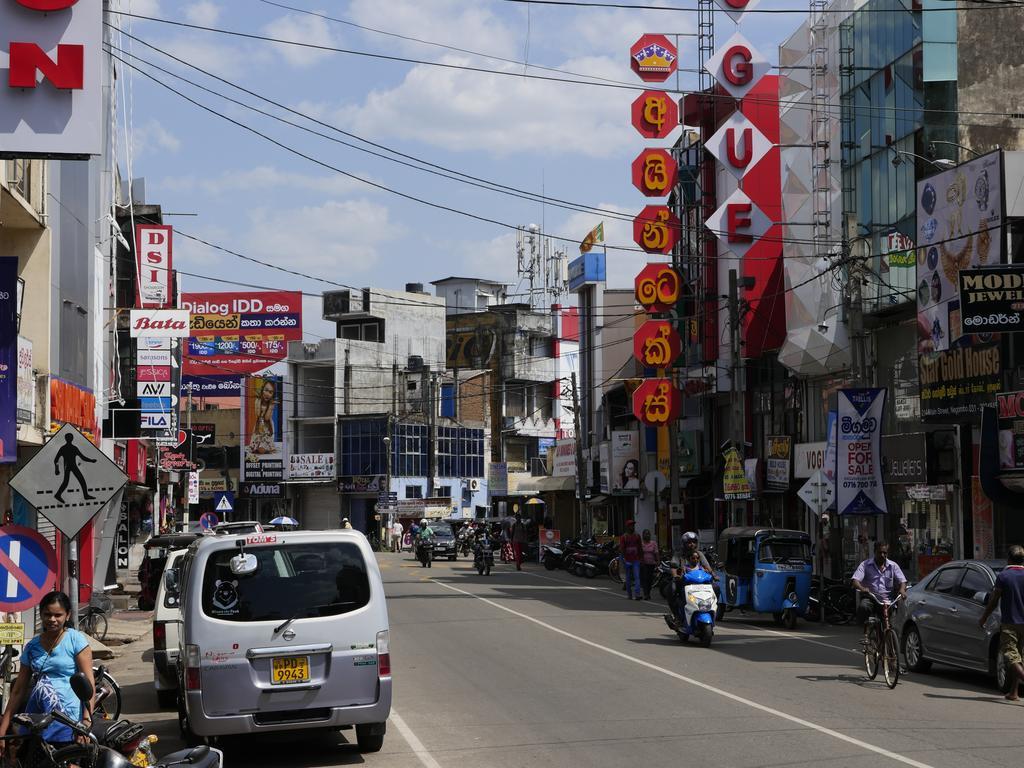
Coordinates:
625 463
262 429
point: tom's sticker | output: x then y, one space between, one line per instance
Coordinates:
364 661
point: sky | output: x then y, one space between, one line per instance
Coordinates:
340 224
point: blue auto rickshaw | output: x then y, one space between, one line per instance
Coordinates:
766 570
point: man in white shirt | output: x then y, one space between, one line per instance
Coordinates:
396 535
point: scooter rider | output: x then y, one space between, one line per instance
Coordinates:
426 536
680 564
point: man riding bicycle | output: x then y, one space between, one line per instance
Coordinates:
879 577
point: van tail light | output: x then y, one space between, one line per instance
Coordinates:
191 667
383 654
159 636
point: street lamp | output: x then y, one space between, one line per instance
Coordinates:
941 163
387 481
974 152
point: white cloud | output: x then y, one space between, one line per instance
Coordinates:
152 137
462 111
204 13
450 22
302 29
263 178
336 238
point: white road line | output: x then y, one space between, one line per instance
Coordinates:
414 743
697 683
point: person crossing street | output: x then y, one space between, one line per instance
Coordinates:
631 547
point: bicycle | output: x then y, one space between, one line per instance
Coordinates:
92 618
107 704
882 645
8 671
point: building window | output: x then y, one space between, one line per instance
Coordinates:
444 491
350 332
413 492
410 450
361 447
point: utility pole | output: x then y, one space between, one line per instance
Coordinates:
581 476
431 433
737 419
855 297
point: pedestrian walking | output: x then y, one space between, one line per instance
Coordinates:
648 562
631 547
397 529
518 541
1008 597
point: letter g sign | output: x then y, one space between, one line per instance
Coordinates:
46 5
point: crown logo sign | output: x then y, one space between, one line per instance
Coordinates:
654 58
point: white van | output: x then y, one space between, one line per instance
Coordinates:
283 631
166 624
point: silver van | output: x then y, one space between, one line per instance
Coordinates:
283 631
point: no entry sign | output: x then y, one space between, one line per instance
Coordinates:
28 568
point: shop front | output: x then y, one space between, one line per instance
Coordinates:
924 523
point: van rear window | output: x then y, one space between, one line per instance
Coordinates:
291 581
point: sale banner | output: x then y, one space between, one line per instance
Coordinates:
859 488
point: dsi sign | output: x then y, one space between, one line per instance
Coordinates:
51 100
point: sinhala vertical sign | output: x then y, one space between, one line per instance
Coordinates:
859 488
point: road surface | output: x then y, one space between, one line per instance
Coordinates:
538 668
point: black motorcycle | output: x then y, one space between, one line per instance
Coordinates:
425 553
483 556
596 561
105 745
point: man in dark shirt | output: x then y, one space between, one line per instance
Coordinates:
1008 596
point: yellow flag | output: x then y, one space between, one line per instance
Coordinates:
594 236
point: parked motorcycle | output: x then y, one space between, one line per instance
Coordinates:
663 580
698 604
596 561
104 745
425 553
483 556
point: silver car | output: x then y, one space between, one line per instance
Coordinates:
283 631
940 620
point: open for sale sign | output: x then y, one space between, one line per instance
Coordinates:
859 488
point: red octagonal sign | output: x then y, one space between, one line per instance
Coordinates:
655 114
653 58
655 172
658 287
656 402
656 344
656 229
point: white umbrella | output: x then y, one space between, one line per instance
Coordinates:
284 520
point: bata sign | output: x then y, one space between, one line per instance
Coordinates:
52 104
162 323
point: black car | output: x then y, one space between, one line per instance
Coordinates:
444 540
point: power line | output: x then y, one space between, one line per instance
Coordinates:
769 11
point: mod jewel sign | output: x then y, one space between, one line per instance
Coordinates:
859 483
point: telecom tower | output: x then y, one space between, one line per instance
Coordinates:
543 266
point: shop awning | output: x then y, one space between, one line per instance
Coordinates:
544 484
601 499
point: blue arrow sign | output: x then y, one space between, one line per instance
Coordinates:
28 568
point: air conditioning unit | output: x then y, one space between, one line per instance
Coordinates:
474 484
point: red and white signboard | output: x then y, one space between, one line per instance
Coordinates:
52 100
738 224
153 260
737 66
736 9
653 58
159 323
738 145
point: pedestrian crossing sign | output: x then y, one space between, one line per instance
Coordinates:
224 501
69 480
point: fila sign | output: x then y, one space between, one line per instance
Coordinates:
52 102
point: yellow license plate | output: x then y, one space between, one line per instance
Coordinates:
287 670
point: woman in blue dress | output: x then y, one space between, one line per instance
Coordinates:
47 663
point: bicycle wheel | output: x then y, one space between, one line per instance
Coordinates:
840 605
615 571
891 658
87 623
99 626
871 652
109 705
